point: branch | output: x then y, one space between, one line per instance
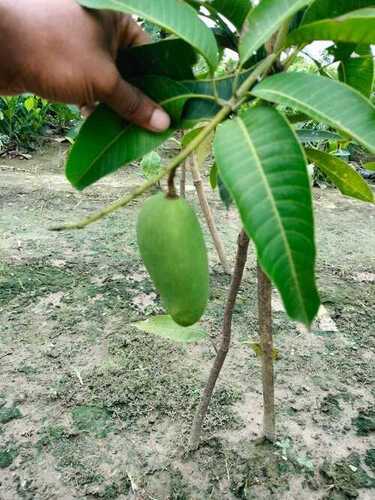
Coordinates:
225 111
242 248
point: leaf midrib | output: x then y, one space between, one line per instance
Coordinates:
118 136
258 164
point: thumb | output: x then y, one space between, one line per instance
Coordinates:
136 107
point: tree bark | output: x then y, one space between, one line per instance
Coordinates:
242 248
207 212
266 342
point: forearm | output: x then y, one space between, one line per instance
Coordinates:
9 33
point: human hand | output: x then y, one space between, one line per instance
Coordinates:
62 52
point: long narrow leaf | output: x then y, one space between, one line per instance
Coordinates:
172 58
263 166
323 9
234 10
106 143
175 16
358 71
263 21
348 181
324 100
306 135
355 27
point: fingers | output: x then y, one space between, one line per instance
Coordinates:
135 107
132 34
87 110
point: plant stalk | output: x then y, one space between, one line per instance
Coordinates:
207 212
183 181
242 249
266 342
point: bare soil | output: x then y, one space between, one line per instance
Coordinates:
92 408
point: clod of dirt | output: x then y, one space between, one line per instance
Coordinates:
365 422
92 419
330 406
347 476
6 457
370 459
8 414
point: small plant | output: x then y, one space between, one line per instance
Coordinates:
26 119
261 156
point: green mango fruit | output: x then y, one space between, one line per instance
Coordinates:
172 247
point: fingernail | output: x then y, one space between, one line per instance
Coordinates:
159 120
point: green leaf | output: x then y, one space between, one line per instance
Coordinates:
164 326
203 151
30 103
213 176
355 27
224 194
174 16
106 143
296 117
306 135
172 58
234 10
257 348
151 164
323 9
358 72
369 166
199 109
263 21
263 166
349 182
324 100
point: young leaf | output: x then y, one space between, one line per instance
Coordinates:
324 100
105 142
323 9
369 166
203 151
348 181
355 27
263 21
174 16
164 326
172 58
263 166
151 164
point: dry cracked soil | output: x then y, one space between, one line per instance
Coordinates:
92 408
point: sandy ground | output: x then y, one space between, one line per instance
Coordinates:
92 408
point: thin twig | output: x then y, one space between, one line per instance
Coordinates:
172 193
207 212
6 354
242 248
